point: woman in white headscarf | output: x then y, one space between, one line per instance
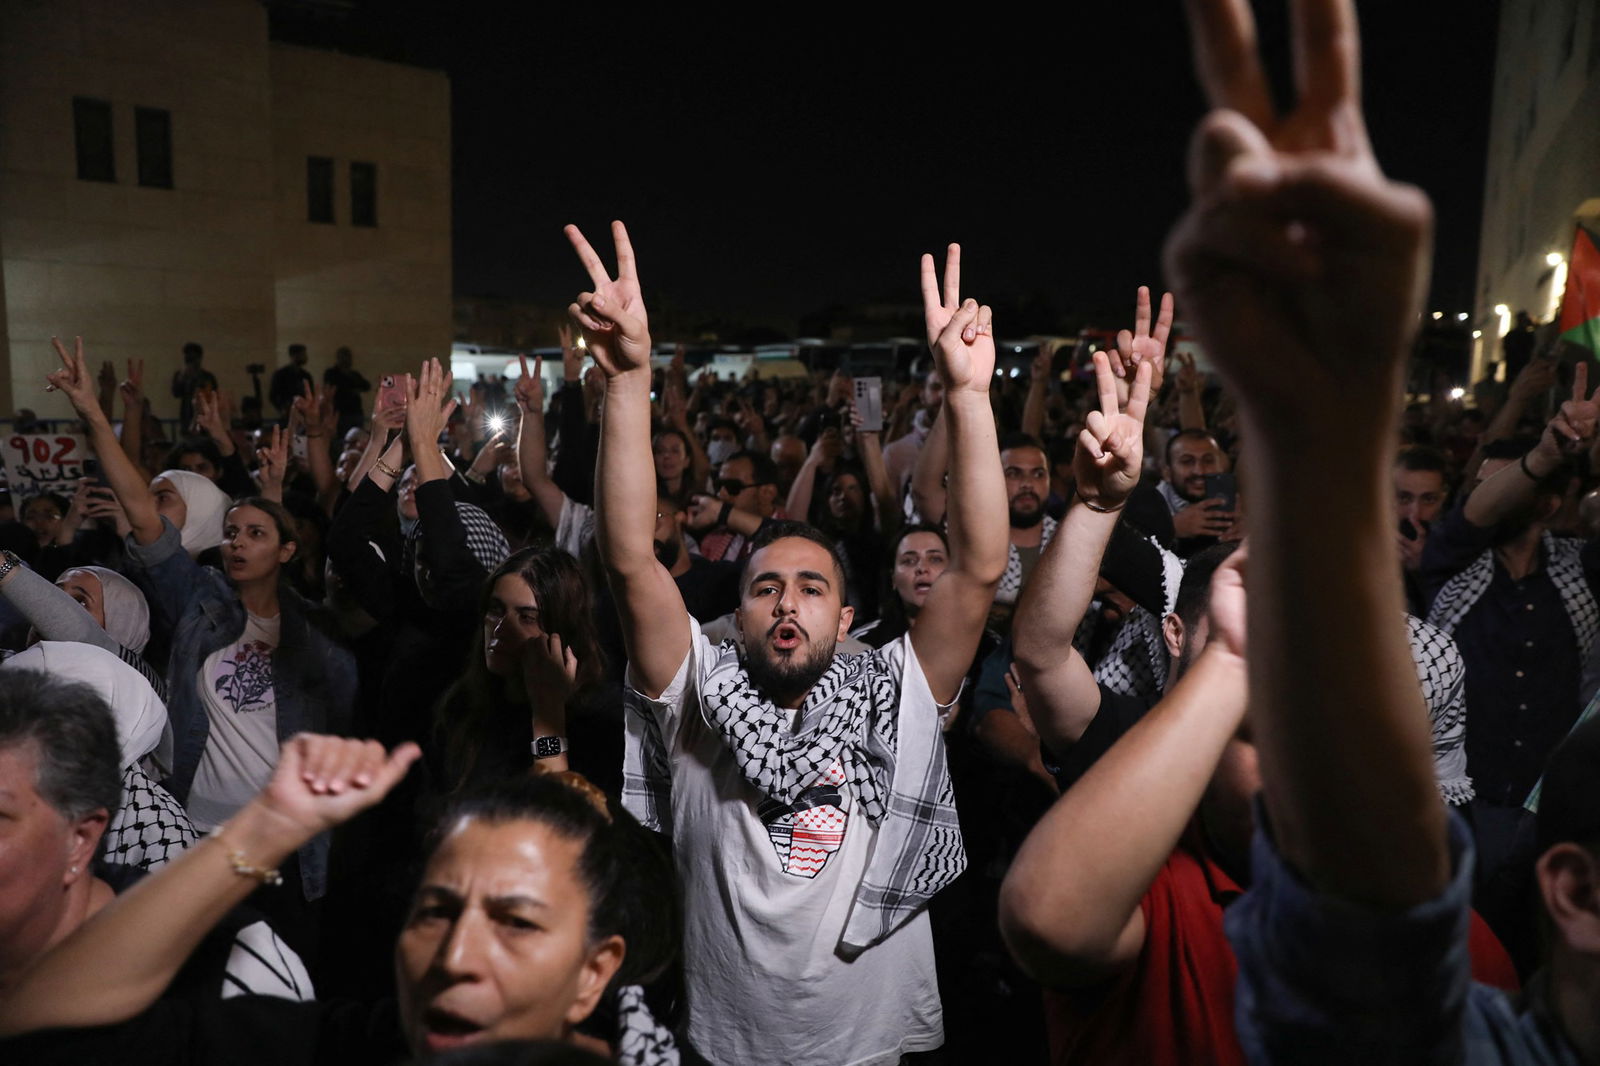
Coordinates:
90 605
150 827
194 505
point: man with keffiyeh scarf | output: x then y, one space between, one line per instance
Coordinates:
806 793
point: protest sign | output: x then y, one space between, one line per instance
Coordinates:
42 462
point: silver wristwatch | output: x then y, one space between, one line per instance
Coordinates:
549 747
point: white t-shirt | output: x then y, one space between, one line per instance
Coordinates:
766 899
236 687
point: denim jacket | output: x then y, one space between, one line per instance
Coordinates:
314 676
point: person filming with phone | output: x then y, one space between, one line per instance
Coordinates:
1202 504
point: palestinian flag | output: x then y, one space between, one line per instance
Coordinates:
1580 305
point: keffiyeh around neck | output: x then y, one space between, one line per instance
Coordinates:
207 505
127 613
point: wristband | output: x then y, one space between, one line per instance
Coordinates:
722 515
1523 462
1097 509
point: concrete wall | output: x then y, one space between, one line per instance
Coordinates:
383 290
1544 156
136 271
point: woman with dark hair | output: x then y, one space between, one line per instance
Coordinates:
42 514
542 908
535 654
919 557
677 463
251 662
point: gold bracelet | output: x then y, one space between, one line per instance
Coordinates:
1097 509
243 867
385 468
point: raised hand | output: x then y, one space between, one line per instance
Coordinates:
571 356
1572 429
387 414
703 512
315 410
1144 344
937 310
615 325
320 781
428 406
132 386
1538 376
550 669
208 416
1292 226
1110 452
274 464
529 389
73 379
963 346
1188 381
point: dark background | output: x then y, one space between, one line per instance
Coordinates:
770 171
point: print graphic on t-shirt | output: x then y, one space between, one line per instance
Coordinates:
244 681
807 832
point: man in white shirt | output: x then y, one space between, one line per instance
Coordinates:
806 793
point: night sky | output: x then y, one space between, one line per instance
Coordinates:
767 173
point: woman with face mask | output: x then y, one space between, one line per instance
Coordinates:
540 907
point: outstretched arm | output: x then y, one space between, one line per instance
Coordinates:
655 625
1292 225
1568 433
1069 906
947 630
532 450
928 492
117 963
124 478
1062 695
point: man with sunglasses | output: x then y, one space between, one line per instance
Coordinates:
747 497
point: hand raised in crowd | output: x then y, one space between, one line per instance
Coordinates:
77 512
488 456
209 419
1110 453
1188 380
102 503
315 410
1040 370
529 389
963 345
703 512
387 414
1572 428
274 464
321 781
428 406
1144 344
73 379
1292 225
132 386
615 324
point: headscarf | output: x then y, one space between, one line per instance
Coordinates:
207 506
127 613
140 716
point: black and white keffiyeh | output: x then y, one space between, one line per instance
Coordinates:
641 1040
150 828
1562 562
892 762
1443 675
1011 581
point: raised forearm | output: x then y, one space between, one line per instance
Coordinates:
533 465
51 611
625 490
1191 410
125 480
927 475
1507 490
979 543
1033 408
1338 717
1058 592
1077 880
878 479
805 482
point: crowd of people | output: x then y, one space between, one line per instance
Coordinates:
1137 711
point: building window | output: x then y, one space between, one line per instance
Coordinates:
152 129
319 189
363 194
91 131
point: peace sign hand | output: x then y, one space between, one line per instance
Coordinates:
960 334
1110 450
616 327
1572 428
1145 344
73 379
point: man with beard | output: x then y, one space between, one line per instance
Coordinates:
806 794
1196 521
1521 603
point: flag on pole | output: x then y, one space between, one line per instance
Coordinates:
1580 304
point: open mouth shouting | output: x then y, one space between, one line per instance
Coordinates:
786 636
443 1030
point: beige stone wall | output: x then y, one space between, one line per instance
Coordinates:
384 290
226 257
136 271
1544 156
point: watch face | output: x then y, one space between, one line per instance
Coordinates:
545 747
